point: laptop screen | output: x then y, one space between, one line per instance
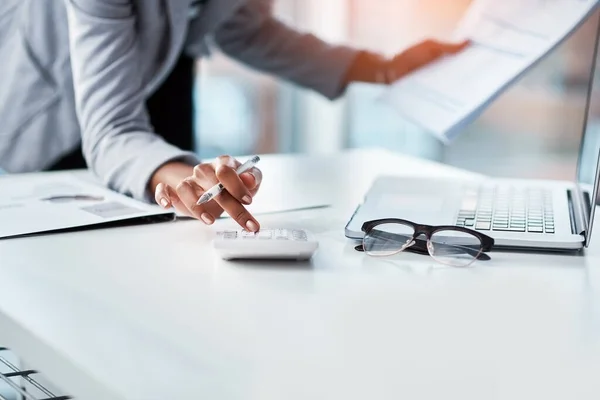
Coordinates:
588 168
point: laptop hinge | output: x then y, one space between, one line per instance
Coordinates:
578 201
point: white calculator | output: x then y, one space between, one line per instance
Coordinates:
279 244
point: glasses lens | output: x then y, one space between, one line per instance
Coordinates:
387 239
455 248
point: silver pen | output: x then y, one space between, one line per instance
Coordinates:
215 190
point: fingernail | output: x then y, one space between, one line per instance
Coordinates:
250 174
247 199
251 226
207 218
164 202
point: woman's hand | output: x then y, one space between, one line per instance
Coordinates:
419 56
374 68
239 191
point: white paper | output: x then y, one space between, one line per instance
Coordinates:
49 202
508 38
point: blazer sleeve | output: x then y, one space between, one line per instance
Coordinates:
118 142
256 38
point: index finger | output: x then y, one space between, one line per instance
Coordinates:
233 183
237 211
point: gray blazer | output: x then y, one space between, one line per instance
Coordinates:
84 68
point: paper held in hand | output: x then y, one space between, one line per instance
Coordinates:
508 37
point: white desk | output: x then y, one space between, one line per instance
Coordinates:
149 312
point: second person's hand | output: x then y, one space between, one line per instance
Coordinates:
239 191
375 68
418 56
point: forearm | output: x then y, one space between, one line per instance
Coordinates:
130 161
254 37
118 142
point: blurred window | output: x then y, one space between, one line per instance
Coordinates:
533 130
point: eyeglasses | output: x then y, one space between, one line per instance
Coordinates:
451 245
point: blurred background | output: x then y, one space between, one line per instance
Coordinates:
537 122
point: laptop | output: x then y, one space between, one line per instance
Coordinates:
517 213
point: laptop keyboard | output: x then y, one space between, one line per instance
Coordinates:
505 208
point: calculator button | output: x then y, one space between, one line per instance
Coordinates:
230 235
299 235
265 234
248 235
281 234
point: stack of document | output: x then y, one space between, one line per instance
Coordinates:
508 37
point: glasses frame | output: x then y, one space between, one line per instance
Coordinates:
420 246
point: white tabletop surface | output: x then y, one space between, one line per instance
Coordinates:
149 312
